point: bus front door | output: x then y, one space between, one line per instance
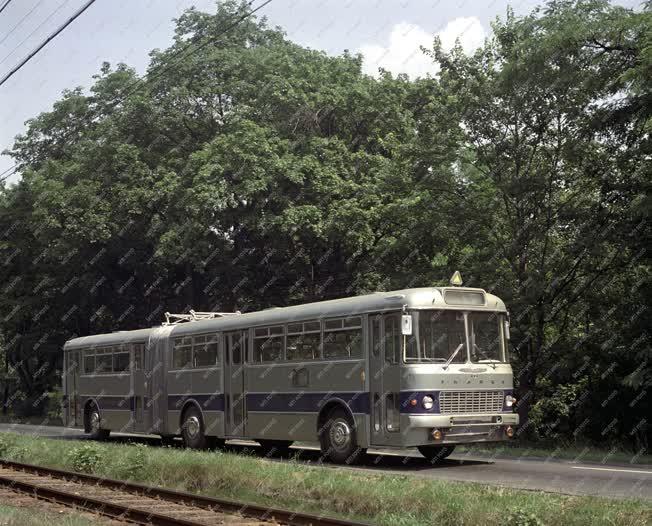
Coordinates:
235 407
384 378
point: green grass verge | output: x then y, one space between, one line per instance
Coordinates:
13 516
577 453
379 498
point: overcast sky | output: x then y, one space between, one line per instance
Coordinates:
388 33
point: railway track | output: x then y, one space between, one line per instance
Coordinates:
143 504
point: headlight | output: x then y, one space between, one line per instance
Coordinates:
510 400
427 402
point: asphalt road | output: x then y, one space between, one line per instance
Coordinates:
606 480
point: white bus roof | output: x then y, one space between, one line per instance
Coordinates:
417 298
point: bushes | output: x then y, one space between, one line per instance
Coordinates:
85 458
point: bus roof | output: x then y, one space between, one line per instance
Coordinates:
417 298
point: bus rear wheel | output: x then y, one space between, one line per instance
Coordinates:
94 424
338 439
192 429
435 454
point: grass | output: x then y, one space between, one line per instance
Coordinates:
13 516
577 453
379 498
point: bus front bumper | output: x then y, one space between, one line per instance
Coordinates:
460 429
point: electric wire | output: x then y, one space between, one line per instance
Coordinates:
35 30
157 74
21 21
47 40
4 5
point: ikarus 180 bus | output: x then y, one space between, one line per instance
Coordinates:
423 367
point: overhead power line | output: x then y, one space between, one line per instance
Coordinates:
9 171
4 5
47 40
47 19
178 55
21 21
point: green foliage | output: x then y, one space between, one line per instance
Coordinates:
523 518
133 462
55 404
85 458
5 444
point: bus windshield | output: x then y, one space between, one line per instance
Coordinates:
440 333
486 332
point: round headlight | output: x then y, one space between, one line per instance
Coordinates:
510 400
427 402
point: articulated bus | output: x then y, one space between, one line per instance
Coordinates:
423 367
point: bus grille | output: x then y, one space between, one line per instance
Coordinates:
469 402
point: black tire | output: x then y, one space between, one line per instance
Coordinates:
167 440
273 448
192 429
435 454
338 438
94 421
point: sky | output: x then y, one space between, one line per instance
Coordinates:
389 34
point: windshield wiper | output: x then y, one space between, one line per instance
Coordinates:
491 361
452 356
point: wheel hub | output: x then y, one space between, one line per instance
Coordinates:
95 421
193 426
340 435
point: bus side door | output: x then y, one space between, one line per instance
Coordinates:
235 409
385 378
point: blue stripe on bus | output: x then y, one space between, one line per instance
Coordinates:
304 402
300 402
407 408
408 396
212 402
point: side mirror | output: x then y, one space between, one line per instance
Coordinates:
406 324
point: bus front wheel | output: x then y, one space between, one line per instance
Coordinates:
338 439
435 454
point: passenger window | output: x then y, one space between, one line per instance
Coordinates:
341 339
205 350
303 341
268 347
182 354
121 362
89 362
103 362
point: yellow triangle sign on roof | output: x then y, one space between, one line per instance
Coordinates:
456 279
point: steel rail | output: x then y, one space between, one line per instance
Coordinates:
253 511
